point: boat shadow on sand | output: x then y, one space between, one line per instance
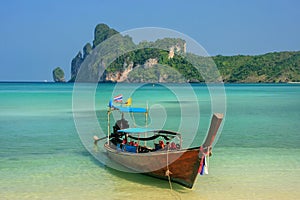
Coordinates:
138 178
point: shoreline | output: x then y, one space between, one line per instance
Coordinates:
200 83
293 82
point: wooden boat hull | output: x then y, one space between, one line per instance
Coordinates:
182 165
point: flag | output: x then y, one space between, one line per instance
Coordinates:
118 98
203 169
202 163
206 165
128 102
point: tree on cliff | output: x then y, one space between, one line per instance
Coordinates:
102 32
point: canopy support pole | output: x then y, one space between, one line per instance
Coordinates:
108 125
146 122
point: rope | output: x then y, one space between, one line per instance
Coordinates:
168 172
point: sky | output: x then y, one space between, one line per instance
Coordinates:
37 36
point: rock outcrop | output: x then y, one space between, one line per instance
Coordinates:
177 48
119 76
75 65
150 62
101 33
58 75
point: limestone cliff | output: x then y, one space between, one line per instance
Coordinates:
101 33
119 70
119 76
75 65
149 61
177 48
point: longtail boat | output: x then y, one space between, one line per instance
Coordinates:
164 156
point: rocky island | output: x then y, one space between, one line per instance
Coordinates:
170 64
58 75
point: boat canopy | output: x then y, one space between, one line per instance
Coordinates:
130 109
146 130
137 130
133 132
157 133
151 137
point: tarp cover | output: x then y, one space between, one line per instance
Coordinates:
145 130
136 130
130 109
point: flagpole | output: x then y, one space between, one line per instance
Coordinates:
147 115
108 125
146 121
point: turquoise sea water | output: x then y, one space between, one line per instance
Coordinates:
257 155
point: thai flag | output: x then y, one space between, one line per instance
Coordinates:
118 98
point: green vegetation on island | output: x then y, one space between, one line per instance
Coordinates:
166 60
270 67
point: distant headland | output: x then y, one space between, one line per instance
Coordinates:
149 64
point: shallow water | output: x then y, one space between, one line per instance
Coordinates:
42 157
